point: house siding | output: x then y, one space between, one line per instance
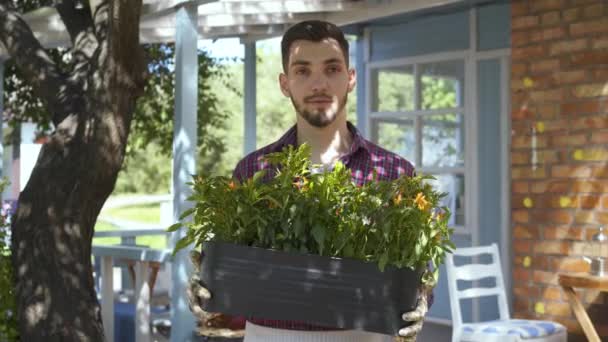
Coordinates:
559 152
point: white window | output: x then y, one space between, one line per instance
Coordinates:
418 111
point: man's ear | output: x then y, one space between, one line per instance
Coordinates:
352 79
284 84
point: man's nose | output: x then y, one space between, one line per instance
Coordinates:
319 83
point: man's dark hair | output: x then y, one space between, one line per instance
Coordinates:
312 30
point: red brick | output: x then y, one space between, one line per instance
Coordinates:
548 111
551 186
551 247
601 218
552 293
518 70
568 46
525 232
589 27
571 14
599 43
568 140
526 172
527 141
567 77
550 18
571 171
532 51
590 90
544 277
582 107
551 216
520 38
600 75
556 201
587 186
590 122
522 246
520 216
558 309
524 22
523 112
589 202
547 95
541 262
563 233
599 137
526 291
521 304
519 187
545 5
584 217
570 264
585 59
520 158
519 8
545 65
593 11
599 171
521 274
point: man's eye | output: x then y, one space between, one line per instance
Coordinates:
333 69
301 71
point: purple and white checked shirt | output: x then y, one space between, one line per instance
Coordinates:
364 157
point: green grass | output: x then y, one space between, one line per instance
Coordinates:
148 213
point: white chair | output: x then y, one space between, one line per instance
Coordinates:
504 329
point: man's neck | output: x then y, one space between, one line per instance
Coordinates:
327 144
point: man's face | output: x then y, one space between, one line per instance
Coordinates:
317 80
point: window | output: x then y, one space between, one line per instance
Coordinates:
418 111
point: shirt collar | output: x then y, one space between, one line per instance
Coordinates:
291 138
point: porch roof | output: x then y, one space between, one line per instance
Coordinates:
250 20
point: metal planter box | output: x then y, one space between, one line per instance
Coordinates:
330 292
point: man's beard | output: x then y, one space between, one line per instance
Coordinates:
320 118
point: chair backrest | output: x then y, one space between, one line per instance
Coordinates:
473 272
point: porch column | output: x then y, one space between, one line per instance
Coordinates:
184 152
250 98
360 65
2 173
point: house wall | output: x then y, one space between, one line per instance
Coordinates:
559 151
442 32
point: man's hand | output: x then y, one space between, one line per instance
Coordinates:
415 317
209 324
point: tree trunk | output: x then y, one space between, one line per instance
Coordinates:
75 173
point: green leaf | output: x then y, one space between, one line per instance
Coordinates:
187 213
383 261
174 227
183 243
318 232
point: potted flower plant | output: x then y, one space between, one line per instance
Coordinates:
316 247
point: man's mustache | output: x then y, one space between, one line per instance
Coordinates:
318 98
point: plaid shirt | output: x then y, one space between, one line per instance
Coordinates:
363 158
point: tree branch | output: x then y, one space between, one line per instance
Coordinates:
49 83
79 23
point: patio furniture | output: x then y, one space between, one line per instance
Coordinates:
582 280
504 329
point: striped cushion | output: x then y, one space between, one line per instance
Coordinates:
520 327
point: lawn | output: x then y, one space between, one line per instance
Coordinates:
148 213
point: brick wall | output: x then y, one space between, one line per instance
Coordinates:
559 151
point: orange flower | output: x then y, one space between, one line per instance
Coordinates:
398 199
232 185
421 201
